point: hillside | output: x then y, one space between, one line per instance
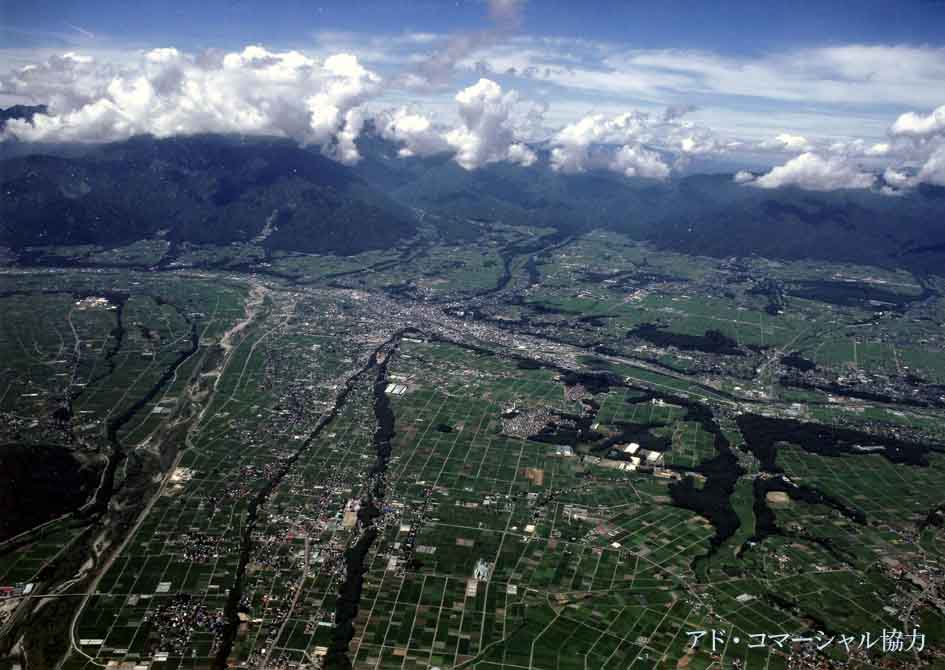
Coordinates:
703 214
219 190
203 189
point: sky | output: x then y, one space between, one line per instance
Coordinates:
827 92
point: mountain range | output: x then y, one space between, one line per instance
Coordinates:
211 189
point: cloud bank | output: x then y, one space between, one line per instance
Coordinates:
327 100
914 138
813 172
167 92
577 146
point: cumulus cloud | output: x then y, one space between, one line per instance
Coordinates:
914 153
527 120
493 126
637 161
413 130
861 149
167 92
921 137
324 101
521 154
583 145
787 142
696 143
743 177
688 141
813 172
933 170
485 135
920 126
898 179
573 143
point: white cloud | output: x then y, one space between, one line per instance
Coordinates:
572 144
815 92
933 171
414 130
898 179
166 92
886 190
813 172
743 177
62 81
636 161
578 146
687 141
825 79
860 148
485 135
920 138
787 142
493 127
345 149
694 144
521 154
916 125
324 97
843 74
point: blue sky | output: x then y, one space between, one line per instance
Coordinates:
760 81
727 27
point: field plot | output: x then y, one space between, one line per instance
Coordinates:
165 594
503 553
89 363
537 452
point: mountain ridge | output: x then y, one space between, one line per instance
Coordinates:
213 189
200 189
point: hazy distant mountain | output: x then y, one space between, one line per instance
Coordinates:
206 189
211 189
702 214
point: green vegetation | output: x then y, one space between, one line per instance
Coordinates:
465 455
